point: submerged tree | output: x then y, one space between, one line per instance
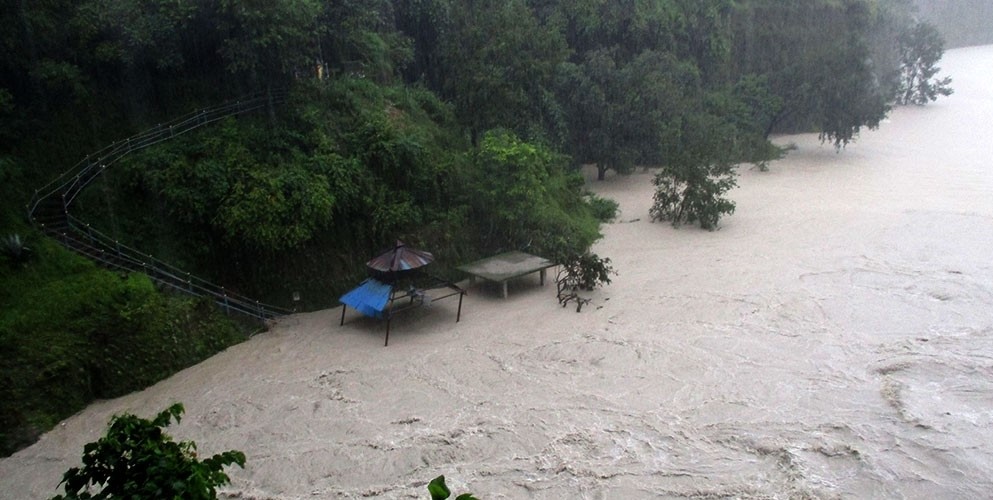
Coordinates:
921 47
691 186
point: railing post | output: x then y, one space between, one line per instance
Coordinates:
189 283
227 307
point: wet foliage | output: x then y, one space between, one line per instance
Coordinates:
457 126
920 49
136 459
71 332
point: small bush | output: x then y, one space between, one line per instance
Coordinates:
588 271
604 209
698 196
137 460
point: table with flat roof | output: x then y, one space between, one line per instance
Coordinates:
504 267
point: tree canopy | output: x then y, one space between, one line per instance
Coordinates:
921 46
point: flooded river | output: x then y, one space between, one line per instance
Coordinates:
836 336
833 339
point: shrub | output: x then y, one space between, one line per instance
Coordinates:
688 196
588 271
604 209
137 460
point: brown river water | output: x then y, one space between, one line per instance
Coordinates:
834 339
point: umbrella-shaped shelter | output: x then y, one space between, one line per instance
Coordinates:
398 259
383 297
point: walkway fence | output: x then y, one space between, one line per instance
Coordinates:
49 210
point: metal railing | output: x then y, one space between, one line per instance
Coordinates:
50 204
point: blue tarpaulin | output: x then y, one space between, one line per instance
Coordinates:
369 298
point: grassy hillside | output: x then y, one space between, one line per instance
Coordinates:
71 332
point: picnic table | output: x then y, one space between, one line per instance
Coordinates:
506 266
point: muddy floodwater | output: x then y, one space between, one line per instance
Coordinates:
834 339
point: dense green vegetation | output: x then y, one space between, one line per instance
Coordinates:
71 332
455 125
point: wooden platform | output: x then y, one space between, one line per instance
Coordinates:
505 267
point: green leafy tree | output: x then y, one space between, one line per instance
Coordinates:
500 63
691 186
358 37
426 23
525 198
135 33
629 27
587 271
267 42
704 37
816 56
275 209
237 183
137 460
619 115
921 47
